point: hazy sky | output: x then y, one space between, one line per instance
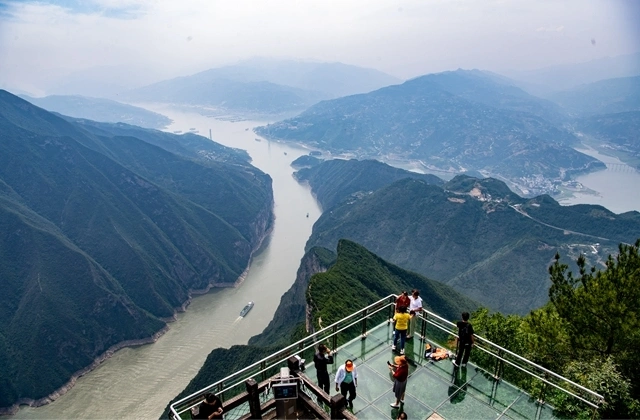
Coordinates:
139 41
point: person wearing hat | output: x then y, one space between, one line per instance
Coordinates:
400 371
347 380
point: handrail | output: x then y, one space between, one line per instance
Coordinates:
349 321
285 350
517 356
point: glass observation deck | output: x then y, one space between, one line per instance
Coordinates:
485 389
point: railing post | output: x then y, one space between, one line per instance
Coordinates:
392 309
254 398
263 367
423 326
336 403
364 323
498 369
543 391
334 337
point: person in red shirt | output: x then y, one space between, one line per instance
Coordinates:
403 300
400 371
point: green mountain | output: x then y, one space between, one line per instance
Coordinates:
602 97
104 235
99 109
360 277
448 121
334 180
475 235
342 283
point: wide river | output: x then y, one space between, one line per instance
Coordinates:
139 382
617 187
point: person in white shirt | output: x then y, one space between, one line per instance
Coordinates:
347 381
415 307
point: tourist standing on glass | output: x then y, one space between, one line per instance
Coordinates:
321 359
415 306
401 318
347 381
465 340
400 374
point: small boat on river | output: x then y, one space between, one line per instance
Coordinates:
246 309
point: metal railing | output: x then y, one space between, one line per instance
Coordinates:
356 325
504 357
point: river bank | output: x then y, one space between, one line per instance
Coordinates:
74 378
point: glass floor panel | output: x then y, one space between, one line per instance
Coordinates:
434 389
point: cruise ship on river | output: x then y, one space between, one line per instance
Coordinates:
246 309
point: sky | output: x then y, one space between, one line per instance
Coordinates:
45 44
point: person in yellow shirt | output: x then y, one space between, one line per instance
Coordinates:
401 319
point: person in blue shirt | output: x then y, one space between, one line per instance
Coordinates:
347 381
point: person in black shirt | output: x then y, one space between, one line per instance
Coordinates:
321 359
465 340
210 408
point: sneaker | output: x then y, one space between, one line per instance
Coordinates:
402 351
393 347
409 337
350 404
454 363
401 401
394 405
464 365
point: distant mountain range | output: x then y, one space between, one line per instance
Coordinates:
457 121
547 80
263 87
615 133
106 231
474 235
99 109
606 116
602 97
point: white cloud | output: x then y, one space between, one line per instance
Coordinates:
559 28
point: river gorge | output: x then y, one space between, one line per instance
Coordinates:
138 382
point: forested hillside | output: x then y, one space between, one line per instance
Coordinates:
104 235
588 332
474 235
334 180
